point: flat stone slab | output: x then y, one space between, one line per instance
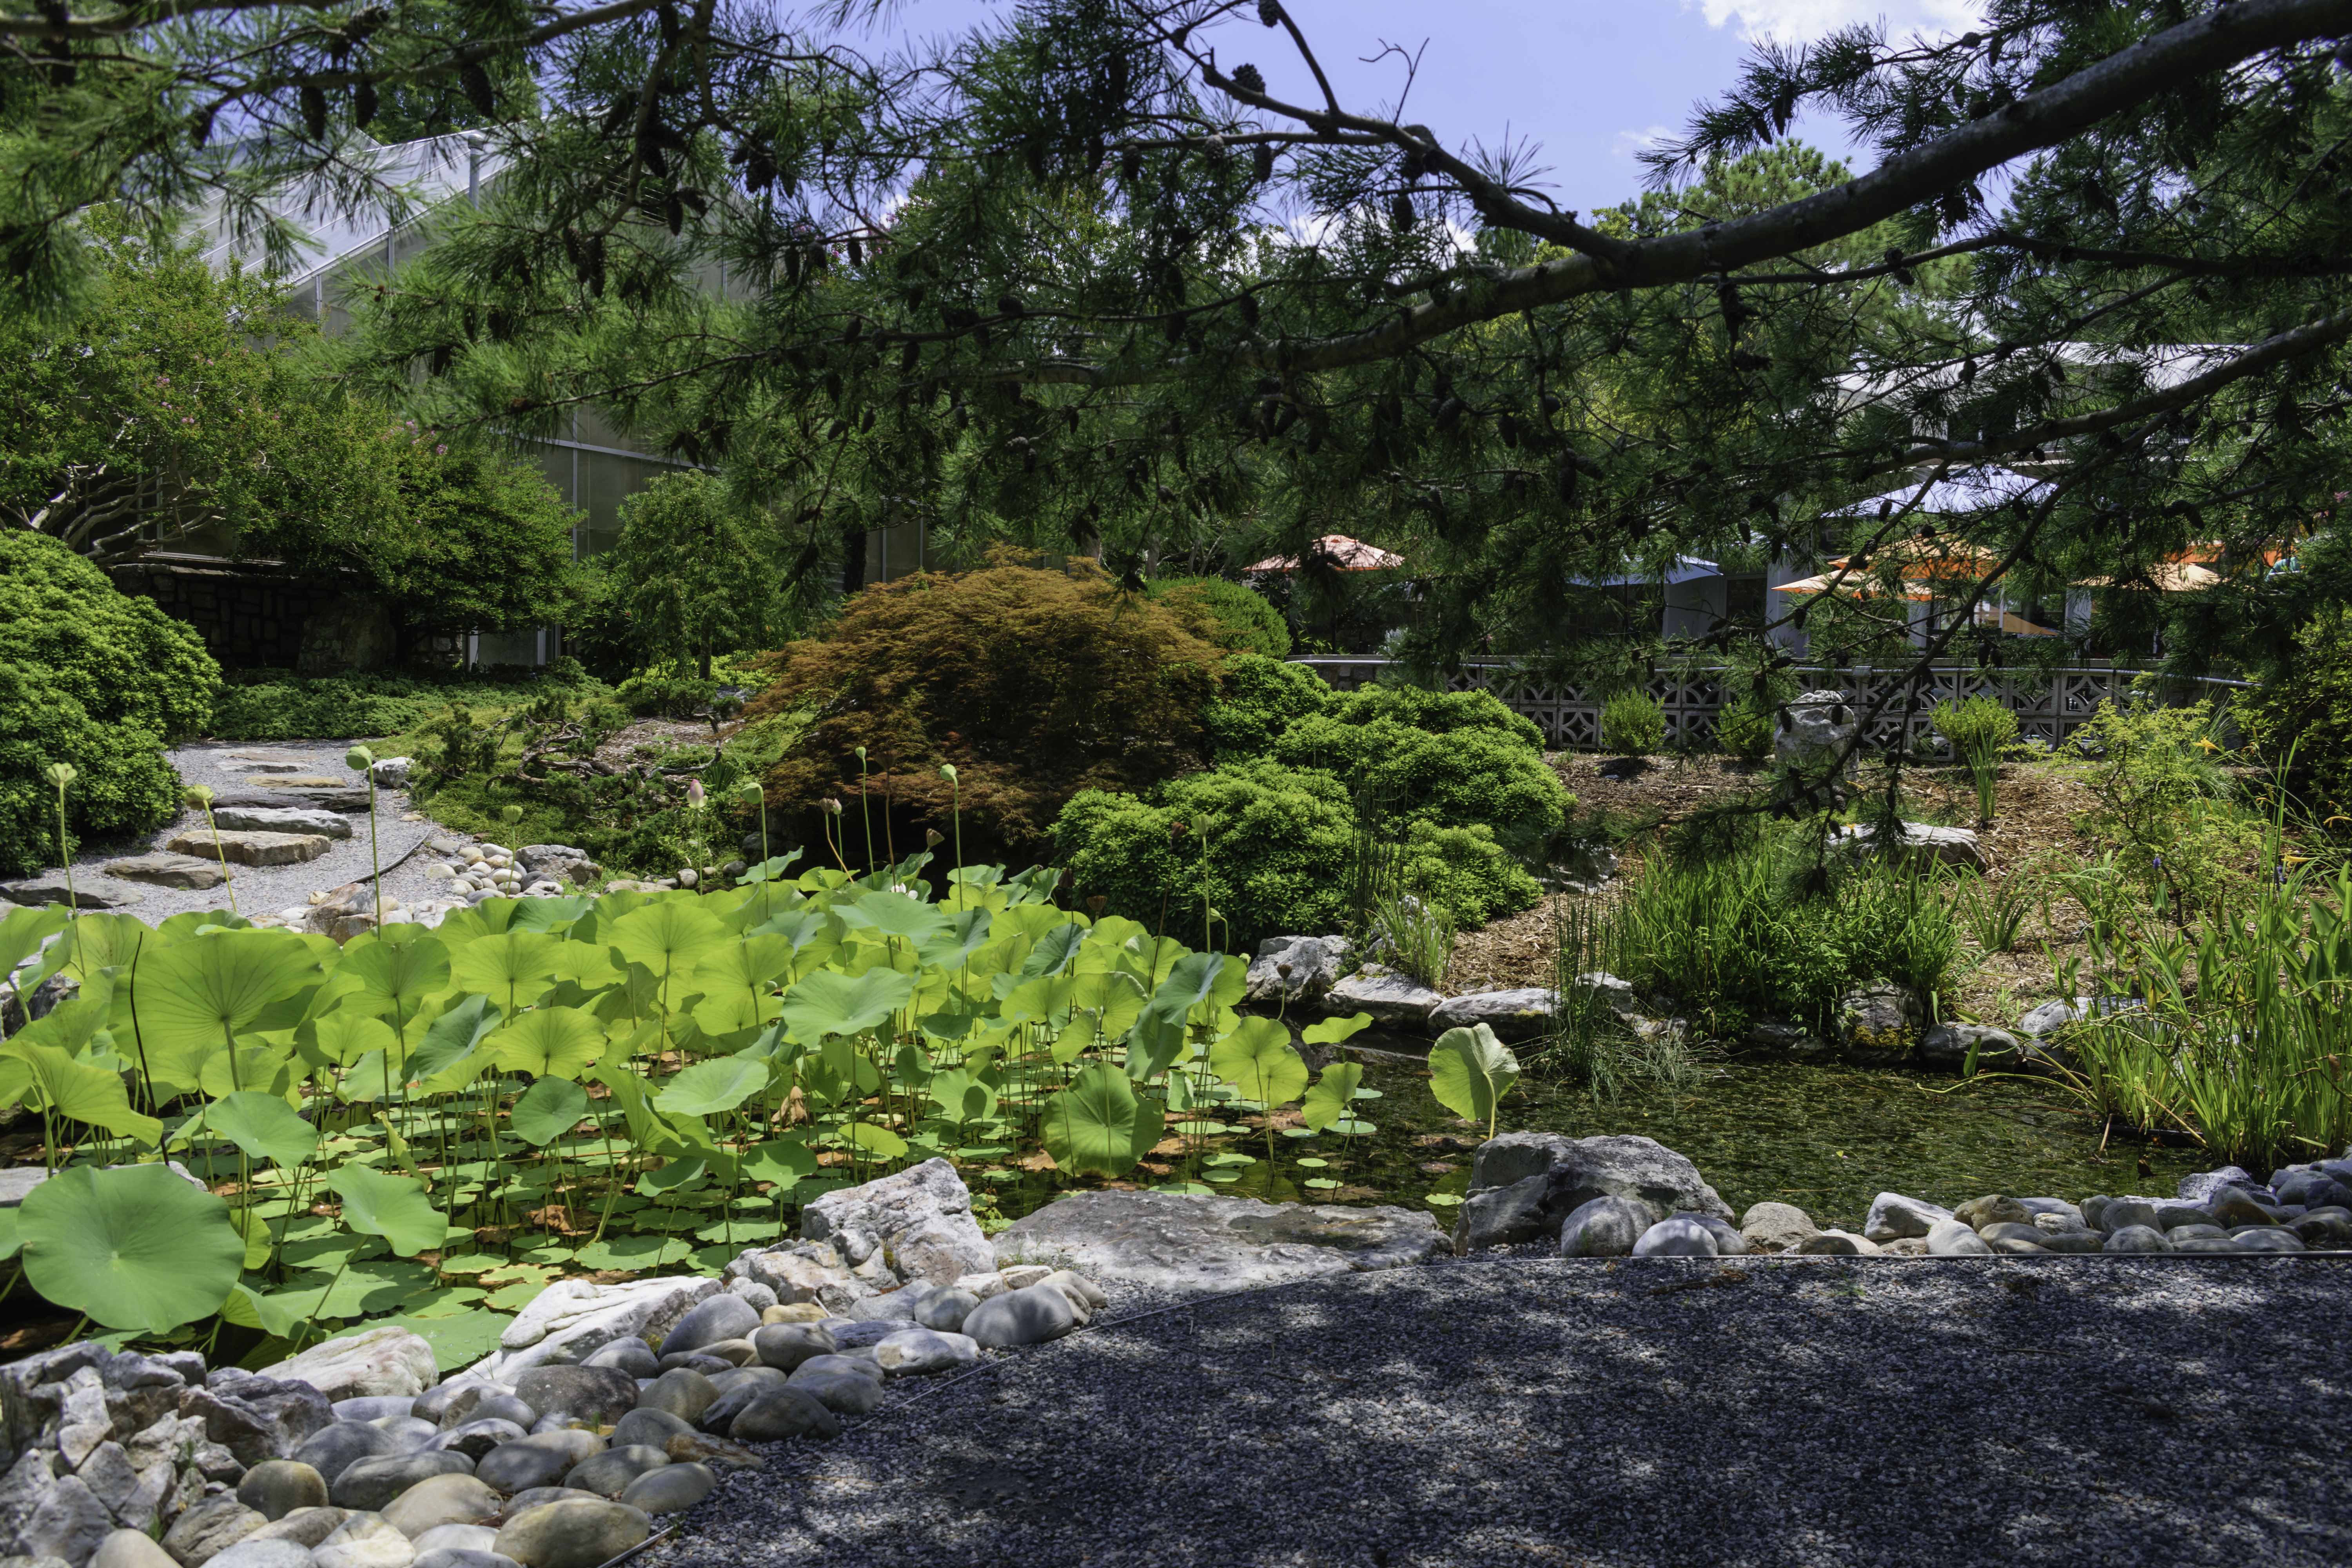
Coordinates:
167 871
1520 1014
341 798
1389 998
15 1181
1165 1241
90 892
255 848
281 820
308 781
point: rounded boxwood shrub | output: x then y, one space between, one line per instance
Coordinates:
1438 713
1473 775
1259 699
94 677
1246 623
1281 845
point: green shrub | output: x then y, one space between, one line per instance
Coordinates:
1438 713
1258 700
1979 728
1473 775
93 678
2301 721
1280 842
1246 623
1744 730
279 705
666 693
1632 724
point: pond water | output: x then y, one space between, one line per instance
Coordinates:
1826 1139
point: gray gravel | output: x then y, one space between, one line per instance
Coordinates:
267 889
1898 1411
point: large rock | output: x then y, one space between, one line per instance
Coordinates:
1029 1316
1918 844
43 1514
1948 1045
365 1540
599 1393
86 892
670 1490
724 1316
572 1319
1956 1238
255 848
281 820
1880 1018
441 1501
1606 1226
335 1448
193 872
574 1534
1389 998
257 1418
810 1274
1520 1014
276 1488
1627 1166
1776 1227
1163 1241
130 1549
1314 963
203 1532
366 1485
915 1351
919 1219
1679 1235
1894 1216
558 862
379 1362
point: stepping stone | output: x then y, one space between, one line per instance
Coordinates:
308 781
256 848
280 819
269 764
193 871
343 797
90 892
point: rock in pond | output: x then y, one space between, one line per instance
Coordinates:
575 1533
1389 998
1164 1241
1517 1015
1776 1227
1313 963
1894 1216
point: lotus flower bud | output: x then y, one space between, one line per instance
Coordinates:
694 794
62 774
948 773
199 797
829 806
359 759
933 838
861 753
750 793
510 815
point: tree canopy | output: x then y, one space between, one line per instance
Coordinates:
1079 278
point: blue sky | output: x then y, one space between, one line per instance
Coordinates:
1588 79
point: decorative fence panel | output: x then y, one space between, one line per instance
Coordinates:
2049 707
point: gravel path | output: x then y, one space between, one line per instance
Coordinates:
267 890
1566 1412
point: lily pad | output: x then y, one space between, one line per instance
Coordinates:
135 1248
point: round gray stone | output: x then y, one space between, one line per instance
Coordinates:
439 1500
537 1495
367 1485
859 1365
671 1488
599 1393
1029 1316
575 1533
491 1407
652 1429
721 1316
374 1406
631 1355
1604 1227
786 1345
683 1394
250 1554
332 1450
778 1414
520 1465
2135 1239
459 1537
475 1438
276 1488
608 1474
843 1393
915 1353
748 1377
945 1310
1676 1236
463 1557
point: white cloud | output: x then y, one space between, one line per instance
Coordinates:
1632 142
1795 21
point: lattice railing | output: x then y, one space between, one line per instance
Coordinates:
2048 706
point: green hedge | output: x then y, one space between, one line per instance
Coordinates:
1481 776
1281 849
94 677
279 705
1249 624
1258 700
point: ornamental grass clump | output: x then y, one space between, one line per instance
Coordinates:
1980 729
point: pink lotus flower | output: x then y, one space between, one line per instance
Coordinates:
694 792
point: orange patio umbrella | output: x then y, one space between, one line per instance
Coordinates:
1337 553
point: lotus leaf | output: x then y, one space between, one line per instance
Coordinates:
445 1056
547 1110
709 1087
394 1207
1470 1071
782 1161
669 938
550 1042
393 976
1331 1031
1329 1100
79 1092
830 1004
516 968
1258 1060
1100 1123
263 1125
199 993
134 1247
